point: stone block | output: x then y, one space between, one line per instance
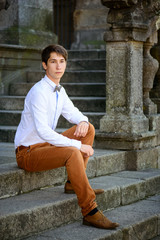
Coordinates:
14 181
111 163
143 230
142 159
152 185
90 19
133 193
7 186
89 25
24 29
109 199
38 180
41 217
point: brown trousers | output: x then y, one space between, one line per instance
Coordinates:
44 156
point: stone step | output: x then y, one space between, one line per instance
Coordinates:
36 211
12 118
7 153
86 64
87 54
138 221
92 76
72 89
22 52
84 104
7 133
14 181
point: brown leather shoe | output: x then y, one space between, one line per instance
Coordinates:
98 220
69 189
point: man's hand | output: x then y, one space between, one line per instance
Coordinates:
87 149
81 129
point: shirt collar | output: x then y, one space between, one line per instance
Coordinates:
50 82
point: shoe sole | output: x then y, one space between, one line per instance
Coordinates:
94 225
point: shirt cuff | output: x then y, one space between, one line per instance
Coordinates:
76 143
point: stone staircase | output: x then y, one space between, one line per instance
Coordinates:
34 206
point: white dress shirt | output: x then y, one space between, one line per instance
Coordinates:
41 113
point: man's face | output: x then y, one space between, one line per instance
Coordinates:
55 67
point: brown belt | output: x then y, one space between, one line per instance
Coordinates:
20 148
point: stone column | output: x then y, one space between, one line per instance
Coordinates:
131 23
124 107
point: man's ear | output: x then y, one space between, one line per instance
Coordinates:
44 65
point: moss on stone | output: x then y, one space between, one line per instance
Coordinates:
94 43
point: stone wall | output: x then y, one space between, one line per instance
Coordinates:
89 24
27 22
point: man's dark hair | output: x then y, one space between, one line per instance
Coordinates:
53 48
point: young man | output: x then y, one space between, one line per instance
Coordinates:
39 147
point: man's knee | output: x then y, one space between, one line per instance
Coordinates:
73 152
74 156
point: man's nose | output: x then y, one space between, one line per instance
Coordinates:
58 65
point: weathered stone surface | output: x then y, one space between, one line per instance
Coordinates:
14 62
144 230
19 181
89 24
124 113
142 159
123 141
105 165
19 23
137 221
49 208
131 20
15 181
133 193
132 30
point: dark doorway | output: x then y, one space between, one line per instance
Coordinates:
63 21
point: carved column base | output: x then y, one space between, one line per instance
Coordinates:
124 141
124 124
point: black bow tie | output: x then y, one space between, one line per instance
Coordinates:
57 88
